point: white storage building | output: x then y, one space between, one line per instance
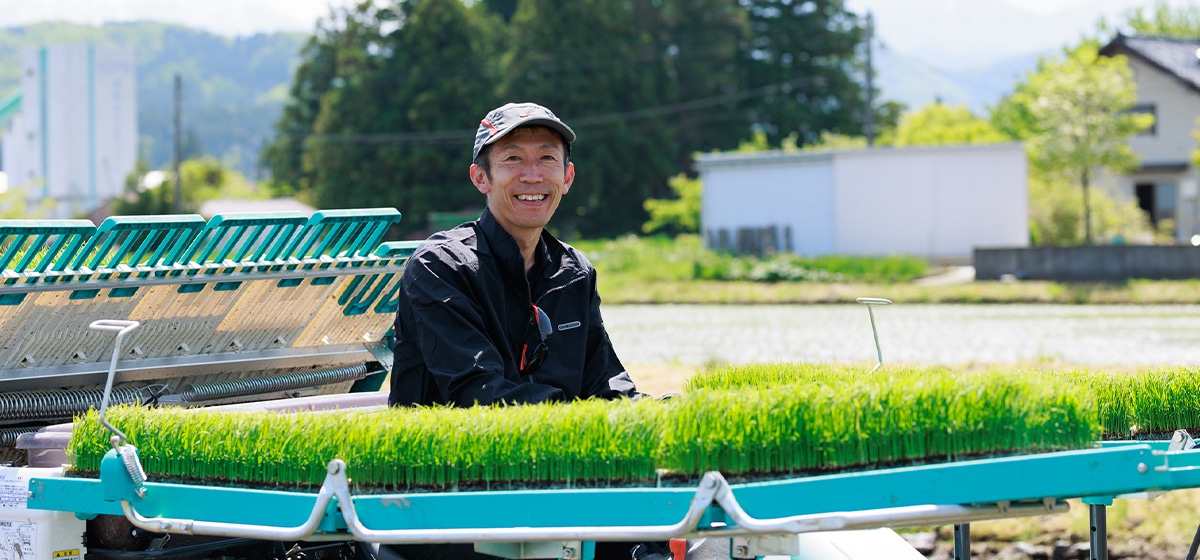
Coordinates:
70 135
938 202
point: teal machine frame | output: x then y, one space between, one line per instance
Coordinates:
105 271
563 523
198 287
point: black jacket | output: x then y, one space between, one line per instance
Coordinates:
465 313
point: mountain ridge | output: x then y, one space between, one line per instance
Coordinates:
234 88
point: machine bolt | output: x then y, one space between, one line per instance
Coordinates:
741 551
1142 468
568 553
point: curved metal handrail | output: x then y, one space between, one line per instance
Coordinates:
712 490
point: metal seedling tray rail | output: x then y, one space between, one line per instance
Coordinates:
952 493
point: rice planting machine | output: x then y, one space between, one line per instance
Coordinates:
290 312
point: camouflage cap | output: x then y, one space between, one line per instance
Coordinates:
503 120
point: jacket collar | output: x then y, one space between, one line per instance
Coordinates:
506 250
557 263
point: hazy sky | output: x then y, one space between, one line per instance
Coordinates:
228 17
951 33
918 27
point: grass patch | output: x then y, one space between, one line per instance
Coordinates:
663 270
645 259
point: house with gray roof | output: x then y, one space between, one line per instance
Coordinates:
1167 74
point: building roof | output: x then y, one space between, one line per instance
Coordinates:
715 160
1175 56
1164 167
211 208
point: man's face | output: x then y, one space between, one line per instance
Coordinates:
527 181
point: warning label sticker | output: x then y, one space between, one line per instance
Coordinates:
13 491
16 540
71 554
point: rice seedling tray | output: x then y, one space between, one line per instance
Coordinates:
965 490
821 453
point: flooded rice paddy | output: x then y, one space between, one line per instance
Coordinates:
1088 335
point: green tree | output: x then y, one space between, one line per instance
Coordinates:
385 106
555 59
759 142
700 42
935 124
503 8
14 204
803 58
430 86
680 214
203 179
938 124
1073 114
1056 215
1165 20
314 76
833 141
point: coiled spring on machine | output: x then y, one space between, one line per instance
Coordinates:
8 436
29 405
284 382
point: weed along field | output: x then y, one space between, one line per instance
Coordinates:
696 318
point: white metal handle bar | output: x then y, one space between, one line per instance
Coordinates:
122 328
713 489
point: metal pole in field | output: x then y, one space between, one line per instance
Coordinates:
962 541
869 301
178 181
1099 519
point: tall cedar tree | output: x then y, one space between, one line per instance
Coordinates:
702 63
803 58
397 129
595 64
313 77
386 99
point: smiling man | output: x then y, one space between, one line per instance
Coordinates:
498 310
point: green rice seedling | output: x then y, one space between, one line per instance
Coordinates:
1167 400
760 421
1139 405
1144 404
798 418
771 375
550 444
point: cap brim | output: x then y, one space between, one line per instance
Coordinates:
555 125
